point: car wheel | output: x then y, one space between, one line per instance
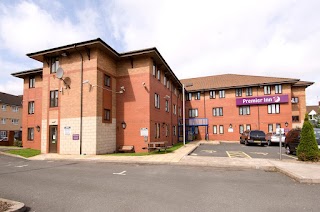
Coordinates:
269 143
288 151
246 142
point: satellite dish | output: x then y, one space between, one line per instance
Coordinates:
59 73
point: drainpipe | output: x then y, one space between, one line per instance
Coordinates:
81 97
258 108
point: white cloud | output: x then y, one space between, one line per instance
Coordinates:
200 38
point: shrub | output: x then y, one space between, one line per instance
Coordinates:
308 147
17 143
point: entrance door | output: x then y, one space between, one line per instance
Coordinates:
53 139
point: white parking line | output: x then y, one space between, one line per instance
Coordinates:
121 173
289 156
21 166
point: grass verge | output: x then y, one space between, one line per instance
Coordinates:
27 153
171 149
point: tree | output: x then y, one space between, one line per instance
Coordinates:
308 147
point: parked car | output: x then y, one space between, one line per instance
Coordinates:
253 137
4 139
293 139
273 138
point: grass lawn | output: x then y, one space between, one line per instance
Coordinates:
27 153
173 148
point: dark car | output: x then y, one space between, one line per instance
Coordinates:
293 139
253 137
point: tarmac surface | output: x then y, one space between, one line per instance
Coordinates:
303 172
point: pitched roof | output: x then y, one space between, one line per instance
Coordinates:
10 99
23 74
313 107
225 81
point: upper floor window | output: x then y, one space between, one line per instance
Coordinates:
157 100
212 94
222 94
31 107
107 80
278 89
193 113
189 96
218 111
167 106
15 121
3 121
295 118
294 100
238 91
32 81
180 112
174 109
159 75
107 115
168 84
15 109
197 96
4 107
244 110
174 130
54 64
267 89
157 130
154 69
54 98
249 91
274 108
165 80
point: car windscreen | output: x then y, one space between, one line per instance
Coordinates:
257 133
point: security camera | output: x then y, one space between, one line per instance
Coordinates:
143 84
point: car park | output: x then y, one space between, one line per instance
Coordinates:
253 137
274 138
293 139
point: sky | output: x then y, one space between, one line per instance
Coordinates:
197 38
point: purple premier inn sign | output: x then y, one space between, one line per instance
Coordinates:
262 100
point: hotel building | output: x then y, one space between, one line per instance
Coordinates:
89 99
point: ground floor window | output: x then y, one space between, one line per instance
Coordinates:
278 125
221 129
30 134
157 130
241 128
270 127
174 129
248 127
3 134
215 129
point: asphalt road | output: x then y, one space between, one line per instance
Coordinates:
240 151
97 186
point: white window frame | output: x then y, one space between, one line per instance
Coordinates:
174 109
167 108
221 129
217 111
193 113
215 129
4 107
212 94
15 121
267 89
31 107
157 101
248 126
241 128
249 91
274 109
222 94
238 92
278 89
244 110
3 120
270 127
30 133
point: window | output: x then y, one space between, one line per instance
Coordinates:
54 65
4 107
212 94
157 127
215 129
294 100
106 115
278 125
15 121
154 69
238 91
189 96
168 84
249 91
15 109
167 130
167 106
30 134
3 121
174 130
277 89
180 112
270 127
175 109
218 111
274 108
221 130
165 80
197 96
159 75
267 89
295 118
196 130
241 128
54 98
244 110
3 134
222 94
193 113
175 91
248 127
32 81
107 80
157 101
31 107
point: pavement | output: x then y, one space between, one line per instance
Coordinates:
303 172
